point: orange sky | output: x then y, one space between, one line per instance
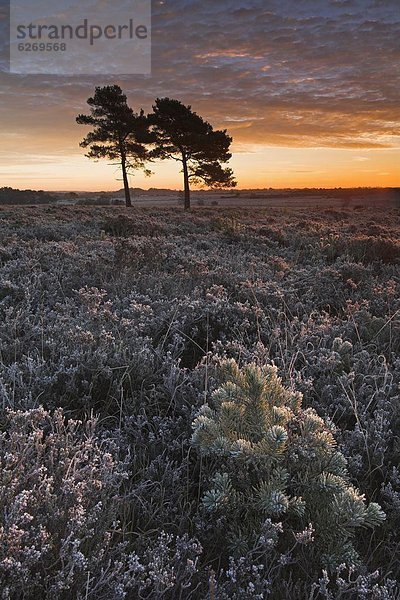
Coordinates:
310 92
257 167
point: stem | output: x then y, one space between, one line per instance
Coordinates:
128 201
186 181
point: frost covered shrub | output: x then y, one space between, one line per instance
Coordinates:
230 227
123 226
61 498
59 487
247 579
132 328
86 359
163 465
369 249
349 584
271 459
272 234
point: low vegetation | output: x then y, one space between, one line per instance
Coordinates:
199 405
10 196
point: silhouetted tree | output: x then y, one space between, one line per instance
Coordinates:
186 137
118 133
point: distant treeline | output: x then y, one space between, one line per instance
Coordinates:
9 195
339 192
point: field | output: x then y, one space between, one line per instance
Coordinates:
148 450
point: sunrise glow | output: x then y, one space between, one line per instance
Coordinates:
309 92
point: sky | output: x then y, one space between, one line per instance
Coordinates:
308 89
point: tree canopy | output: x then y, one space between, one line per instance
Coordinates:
172 131
118 134
183 135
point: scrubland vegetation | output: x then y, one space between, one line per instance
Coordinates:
199 405
10 196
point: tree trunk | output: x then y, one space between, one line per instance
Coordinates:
128 201
186 180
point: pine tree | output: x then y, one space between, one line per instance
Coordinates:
183 135
119 134
271 459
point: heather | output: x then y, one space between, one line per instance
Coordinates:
199 405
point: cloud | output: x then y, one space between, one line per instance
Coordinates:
274 72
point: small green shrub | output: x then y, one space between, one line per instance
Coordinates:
230 227
272 459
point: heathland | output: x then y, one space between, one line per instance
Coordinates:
202 404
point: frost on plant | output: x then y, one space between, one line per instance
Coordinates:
272 459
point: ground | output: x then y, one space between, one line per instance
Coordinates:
126 313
